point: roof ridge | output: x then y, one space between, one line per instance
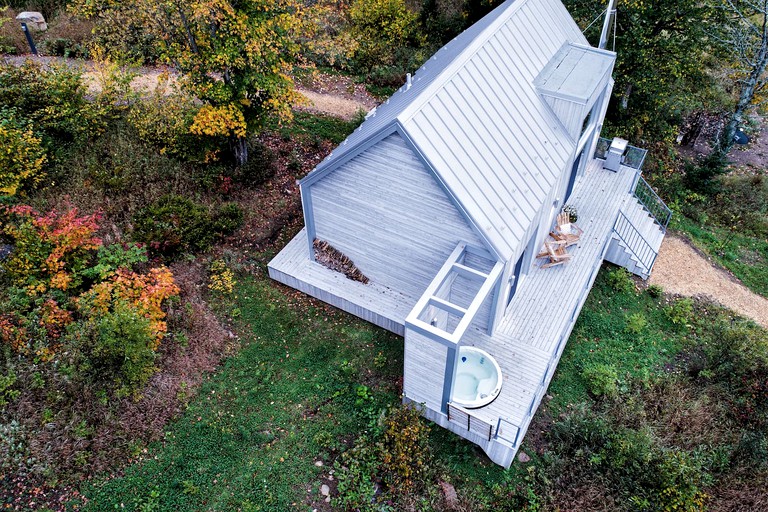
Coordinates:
457 63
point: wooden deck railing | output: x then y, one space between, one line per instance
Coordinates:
463 417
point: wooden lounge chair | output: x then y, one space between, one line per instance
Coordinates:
566 231
555 250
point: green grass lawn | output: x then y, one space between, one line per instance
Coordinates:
250 439
309 380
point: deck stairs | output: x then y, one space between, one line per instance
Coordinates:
639 231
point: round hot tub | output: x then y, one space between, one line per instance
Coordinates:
478 378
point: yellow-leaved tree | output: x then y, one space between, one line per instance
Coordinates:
22 155
233 55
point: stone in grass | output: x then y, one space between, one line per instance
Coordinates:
449 492
319 463
325 490
523 457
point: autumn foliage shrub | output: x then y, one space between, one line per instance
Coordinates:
50 250
22 157
68 294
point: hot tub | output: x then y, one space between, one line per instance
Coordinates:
478 378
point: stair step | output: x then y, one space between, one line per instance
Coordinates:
645 224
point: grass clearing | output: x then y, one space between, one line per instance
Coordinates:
309 380
251 437
318 127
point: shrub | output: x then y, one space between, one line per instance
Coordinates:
7 393
227 218
356 474
68 35
738 355
51 250
601 379
222 279
406 455
649 477
146 293
174 224
121 349
53 98
63 47
636 323
621 280
655 291
397 452
680 312
22 157
111 258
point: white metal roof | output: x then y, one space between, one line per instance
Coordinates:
474 115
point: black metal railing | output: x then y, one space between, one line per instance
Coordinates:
633 157
635 242
655 206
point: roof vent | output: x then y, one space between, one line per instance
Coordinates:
408 81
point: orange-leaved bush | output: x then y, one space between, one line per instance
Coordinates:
49 250
143 293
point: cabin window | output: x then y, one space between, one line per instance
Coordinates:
517 273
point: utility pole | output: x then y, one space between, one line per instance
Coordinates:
609 14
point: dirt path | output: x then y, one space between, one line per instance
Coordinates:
683 270
334 95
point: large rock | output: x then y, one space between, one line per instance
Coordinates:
451 499
33 20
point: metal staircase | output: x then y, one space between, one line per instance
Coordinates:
639 230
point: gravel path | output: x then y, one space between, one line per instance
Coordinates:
683 270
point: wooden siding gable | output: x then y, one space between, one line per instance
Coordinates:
393 128
385 210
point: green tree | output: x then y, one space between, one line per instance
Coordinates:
660 73
381 27
233 55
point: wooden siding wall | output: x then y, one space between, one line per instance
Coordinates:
424 370
385 211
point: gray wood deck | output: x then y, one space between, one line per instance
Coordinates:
538 320
536 325
373 302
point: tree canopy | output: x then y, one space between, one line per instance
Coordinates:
661 50
233 55
743 37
